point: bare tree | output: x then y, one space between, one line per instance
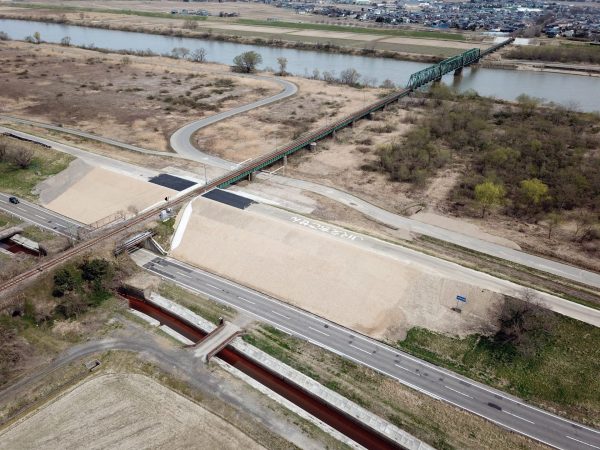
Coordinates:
523 324
22 156
387 84
179 52
66 41
190 24
198 55
349 77
282 65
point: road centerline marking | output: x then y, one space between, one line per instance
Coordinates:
319 331
279 314
361 349
246 300
518 417
458 392
582 442
403 368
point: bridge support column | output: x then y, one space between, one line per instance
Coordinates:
284 160
252 176
312 147
458 72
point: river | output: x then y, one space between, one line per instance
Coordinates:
582 92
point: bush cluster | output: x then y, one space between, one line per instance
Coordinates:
544 156
564 54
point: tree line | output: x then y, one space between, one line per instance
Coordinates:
562 53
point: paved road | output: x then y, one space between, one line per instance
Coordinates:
494 405
181 139
543 264
86 135
41 216
183 145
91 158
440 267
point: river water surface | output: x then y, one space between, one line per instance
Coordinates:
578 91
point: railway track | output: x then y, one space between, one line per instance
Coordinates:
223 181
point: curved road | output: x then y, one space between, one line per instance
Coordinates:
181 143
181 139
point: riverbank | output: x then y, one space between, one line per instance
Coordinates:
543 66
377 44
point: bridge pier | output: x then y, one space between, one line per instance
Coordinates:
458 72
252 176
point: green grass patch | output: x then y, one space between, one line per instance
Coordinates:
388 32
38 234
7 220
202 306
164 231
20 182
129 12
555 374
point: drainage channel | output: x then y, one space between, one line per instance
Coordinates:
333 417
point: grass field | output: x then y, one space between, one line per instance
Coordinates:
20 182
129 12
324 27
562 374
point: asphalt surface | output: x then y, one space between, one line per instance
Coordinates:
543 264
182 145
181 139
440 267
496 406
41 216
84 134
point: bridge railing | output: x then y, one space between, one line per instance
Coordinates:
440 69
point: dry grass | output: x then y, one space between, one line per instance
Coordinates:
140 103
261 130
439 424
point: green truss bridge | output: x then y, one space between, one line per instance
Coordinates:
455 63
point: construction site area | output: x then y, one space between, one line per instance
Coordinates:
194 256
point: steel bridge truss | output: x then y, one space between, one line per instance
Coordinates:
436 72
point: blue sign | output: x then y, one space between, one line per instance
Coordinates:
460 298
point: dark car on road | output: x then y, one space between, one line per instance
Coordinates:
14 200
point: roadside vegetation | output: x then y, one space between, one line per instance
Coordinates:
23 165
530 161
208 309
535 354
562 53
58 310
437 423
